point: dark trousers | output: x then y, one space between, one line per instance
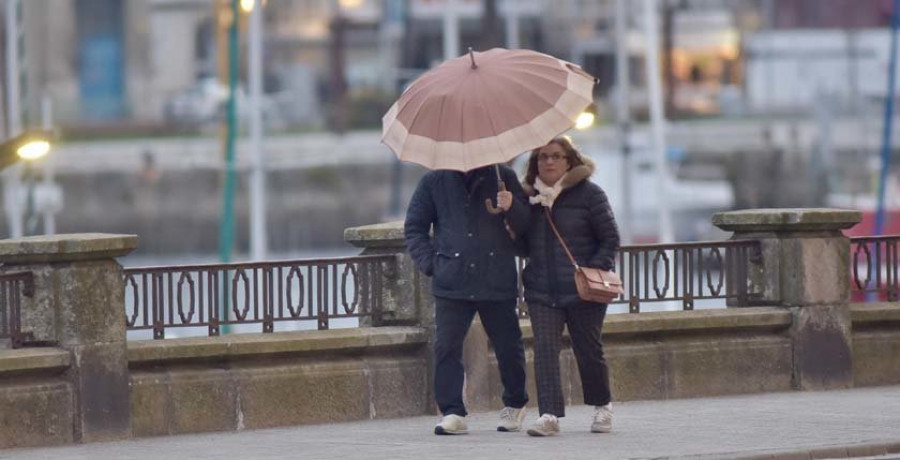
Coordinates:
452 320
585 324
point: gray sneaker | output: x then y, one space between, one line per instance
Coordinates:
452 424
602 419
546 425
511 419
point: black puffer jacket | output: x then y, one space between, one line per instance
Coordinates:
471 256
585 220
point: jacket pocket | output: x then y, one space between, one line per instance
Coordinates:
448 270
502 276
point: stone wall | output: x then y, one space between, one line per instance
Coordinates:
266 380
36 400
251 381
660 356
876 344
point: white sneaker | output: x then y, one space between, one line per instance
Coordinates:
511 419
452 424
602 419
546 425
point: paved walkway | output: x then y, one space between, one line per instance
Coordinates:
775 425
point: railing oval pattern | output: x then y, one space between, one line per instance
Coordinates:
130 320
715 290
879 258
240 275
218 296
298 310
661 256
860 284
349 269
185 276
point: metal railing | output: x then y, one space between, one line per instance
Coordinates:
217 295
874 266
685 273
14 286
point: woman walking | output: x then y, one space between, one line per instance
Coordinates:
557 182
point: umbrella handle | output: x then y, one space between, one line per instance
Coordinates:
489 205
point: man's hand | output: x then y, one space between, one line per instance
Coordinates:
504 200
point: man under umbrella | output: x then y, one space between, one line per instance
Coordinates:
471 260
463 120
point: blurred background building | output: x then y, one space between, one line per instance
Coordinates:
756 92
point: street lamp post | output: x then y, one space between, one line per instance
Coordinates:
623 116
657 121
451 30
258 235
49 212
12 179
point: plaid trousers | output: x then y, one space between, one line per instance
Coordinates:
585 325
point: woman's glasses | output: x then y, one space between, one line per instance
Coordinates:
545 158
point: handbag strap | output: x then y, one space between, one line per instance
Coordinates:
560 238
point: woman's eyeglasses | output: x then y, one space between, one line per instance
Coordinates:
544 158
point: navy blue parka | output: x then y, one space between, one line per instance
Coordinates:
470 256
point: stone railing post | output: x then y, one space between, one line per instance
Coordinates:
407 293
805 267
79 305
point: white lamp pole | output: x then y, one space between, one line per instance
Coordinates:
657 121
12 176
451 29
512 24
47 122
623 118
258 227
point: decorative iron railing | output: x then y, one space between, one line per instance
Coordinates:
874 267
215 296
14 286
685 273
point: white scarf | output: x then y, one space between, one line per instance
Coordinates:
546 194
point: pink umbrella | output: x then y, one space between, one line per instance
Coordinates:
486 108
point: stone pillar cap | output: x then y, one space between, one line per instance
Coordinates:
66 247
386 235
786 220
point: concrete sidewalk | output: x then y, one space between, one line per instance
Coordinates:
774 425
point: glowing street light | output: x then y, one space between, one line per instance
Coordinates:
587 118
28 146
33 150
247 5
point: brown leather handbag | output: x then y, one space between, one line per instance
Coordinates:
593 284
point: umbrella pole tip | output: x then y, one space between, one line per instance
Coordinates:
472 57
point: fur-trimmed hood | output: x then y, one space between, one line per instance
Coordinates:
572 178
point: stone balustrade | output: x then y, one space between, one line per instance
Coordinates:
86 383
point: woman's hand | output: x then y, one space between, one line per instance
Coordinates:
504 200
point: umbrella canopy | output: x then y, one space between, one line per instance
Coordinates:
485 108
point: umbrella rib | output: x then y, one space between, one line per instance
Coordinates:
543 77
414 91
491 121
436 142
524 88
